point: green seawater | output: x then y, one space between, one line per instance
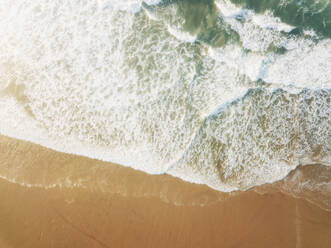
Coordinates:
304 14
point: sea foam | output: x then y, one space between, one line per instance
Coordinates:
233 102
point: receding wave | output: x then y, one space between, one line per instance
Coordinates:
231 94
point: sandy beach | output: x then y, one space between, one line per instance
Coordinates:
163 123
61 200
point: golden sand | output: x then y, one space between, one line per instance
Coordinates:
51 199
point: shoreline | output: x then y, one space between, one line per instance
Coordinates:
105 205
65 168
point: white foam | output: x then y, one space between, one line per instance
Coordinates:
304 65
98 79
152 2
267 21
182 36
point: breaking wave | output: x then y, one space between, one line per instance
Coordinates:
231 94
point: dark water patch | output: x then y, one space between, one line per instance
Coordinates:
304 14
199 18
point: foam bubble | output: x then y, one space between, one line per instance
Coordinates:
221 105
260 138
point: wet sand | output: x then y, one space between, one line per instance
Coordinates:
51 199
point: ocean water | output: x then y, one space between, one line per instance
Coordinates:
231 94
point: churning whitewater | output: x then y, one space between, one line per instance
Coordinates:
231 94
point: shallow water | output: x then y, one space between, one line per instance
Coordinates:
231 94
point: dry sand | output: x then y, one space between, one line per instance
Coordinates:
51 199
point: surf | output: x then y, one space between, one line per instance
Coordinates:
238 97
